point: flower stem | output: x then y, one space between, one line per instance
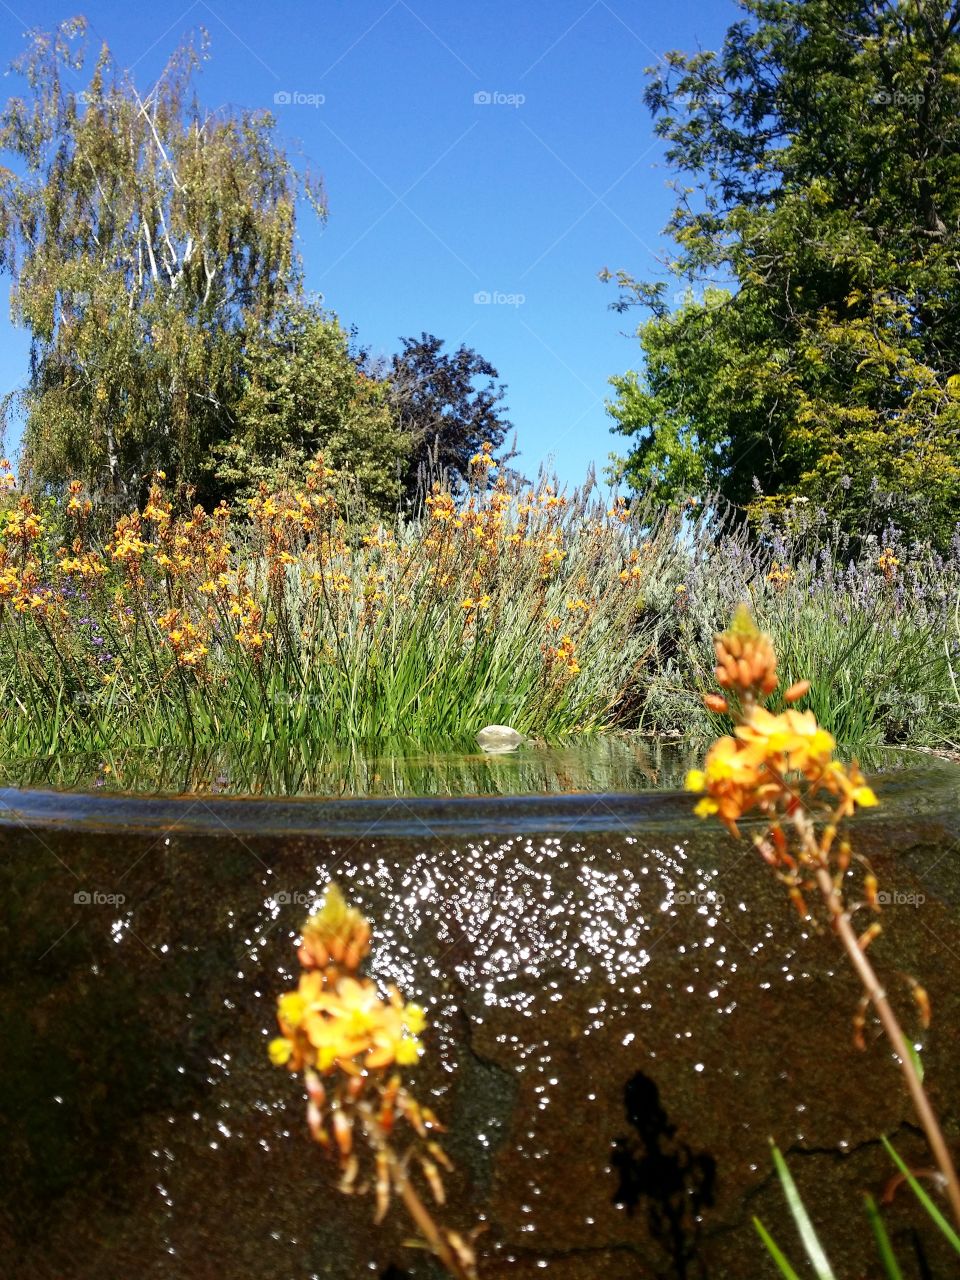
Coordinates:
417 1210
843 927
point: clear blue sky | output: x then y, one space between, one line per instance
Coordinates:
435 197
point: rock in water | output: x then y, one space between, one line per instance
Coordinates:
499 738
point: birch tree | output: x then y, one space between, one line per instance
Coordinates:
147 243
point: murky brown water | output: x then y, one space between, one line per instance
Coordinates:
623 1008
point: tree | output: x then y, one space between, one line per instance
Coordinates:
818 178
145 241
445 415
303 394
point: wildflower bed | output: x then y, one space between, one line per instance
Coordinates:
296 616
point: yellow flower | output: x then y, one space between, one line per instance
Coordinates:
734 780
794 735
352 1027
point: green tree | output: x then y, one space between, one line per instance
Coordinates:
145 241
818 199
303 394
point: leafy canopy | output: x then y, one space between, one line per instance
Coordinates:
447 416
304 394
817 163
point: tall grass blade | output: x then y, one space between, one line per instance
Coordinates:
922 1196
884 1247
775 1252
808 1235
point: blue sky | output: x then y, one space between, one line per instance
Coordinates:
497 150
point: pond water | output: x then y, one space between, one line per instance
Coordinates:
608 763
623 1007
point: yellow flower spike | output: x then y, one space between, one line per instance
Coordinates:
743 624
336 930
865 797
696 780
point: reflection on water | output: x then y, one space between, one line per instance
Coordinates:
619 1018
610 763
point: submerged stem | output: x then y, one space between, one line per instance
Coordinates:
408 1193
843 927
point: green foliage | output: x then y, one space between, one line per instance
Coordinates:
307 618
303 394
145 240
811 1243
818 163
312 622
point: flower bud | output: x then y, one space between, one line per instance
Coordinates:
745 657
714 702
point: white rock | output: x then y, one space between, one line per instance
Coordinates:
499 738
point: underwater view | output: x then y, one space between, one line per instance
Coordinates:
623 1009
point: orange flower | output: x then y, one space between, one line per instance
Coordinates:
734 780
750 770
